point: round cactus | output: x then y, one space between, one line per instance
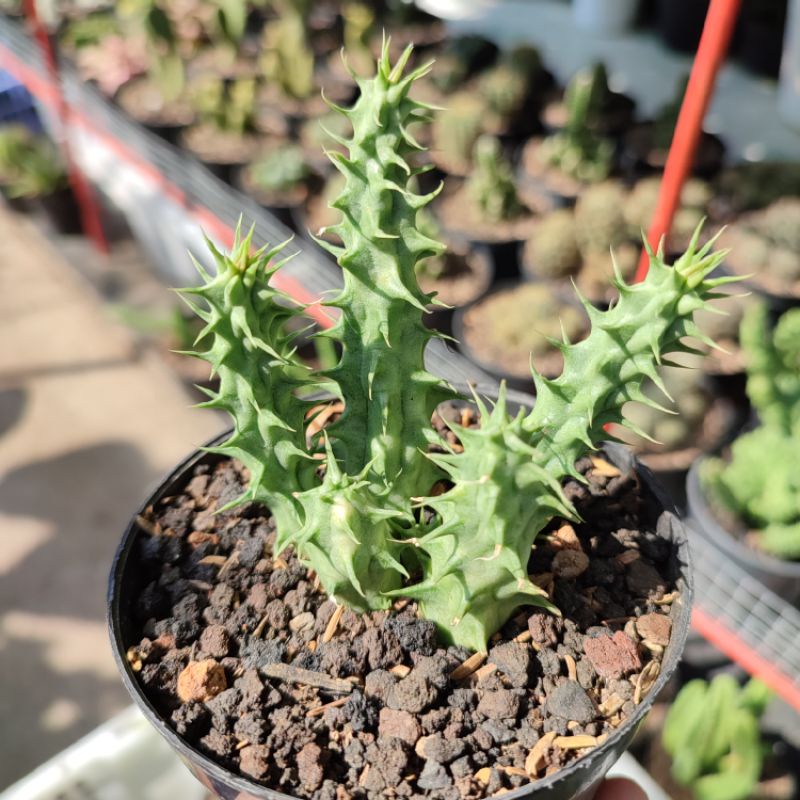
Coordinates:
552 250
455 131
599 218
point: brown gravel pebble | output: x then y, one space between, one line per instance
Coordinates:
569 564
214 641
309 766
656 628
201 680
612 656
399 724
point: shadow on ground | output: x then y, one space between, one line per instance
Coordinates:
58 677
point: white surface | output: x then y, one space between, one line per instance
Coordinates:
126 759
744 110
604 17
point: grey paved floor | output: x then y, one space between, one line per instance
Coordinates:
87 423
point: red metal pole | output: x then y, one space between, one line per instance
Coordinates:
717 32
87 202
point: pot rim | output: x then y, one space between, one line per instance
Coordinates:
585 764
700 510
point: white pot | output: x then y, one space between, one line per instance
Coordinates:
605 17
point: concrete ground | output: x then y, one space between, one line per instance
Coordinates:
88 422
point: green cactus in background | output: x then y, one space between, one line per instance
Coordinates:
666 118
280 170
640 205
166 68
226 105
506 86
455 130
552 249
359 27
349 500
780 223
599 218
287 58
578 150
30 165
760 483
712 734
491 184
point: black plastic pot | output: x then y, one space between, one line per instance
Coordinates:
62 210
782 577
578 781
681 23
638 157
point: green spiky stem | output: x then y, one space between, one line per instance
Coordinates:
251 352
506 480
389 397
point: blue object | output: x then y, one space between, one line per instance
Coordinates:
17 104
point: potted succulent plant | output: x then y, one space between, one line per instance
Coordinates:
157 99
577 243
306 605
486 208
280 180
710 744
578 151
748 501
225 135
32 173
517 325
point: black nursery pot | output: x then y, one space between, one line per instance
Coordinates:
61 209
782 577
681 23
578 781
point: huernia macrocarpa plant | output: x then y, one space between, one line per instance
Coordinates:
760 483
350 499
712 734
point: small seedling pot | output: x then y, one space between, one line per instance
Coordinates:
578 781
782 577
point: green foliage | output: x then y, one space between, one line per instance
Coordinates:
89 30
667 117
760 482
29 164
165 67
287 58
456 130
491 184
349 499
281 169
712 734
228 105
579 150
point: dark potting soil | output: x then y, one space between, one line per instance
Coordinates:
252 664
